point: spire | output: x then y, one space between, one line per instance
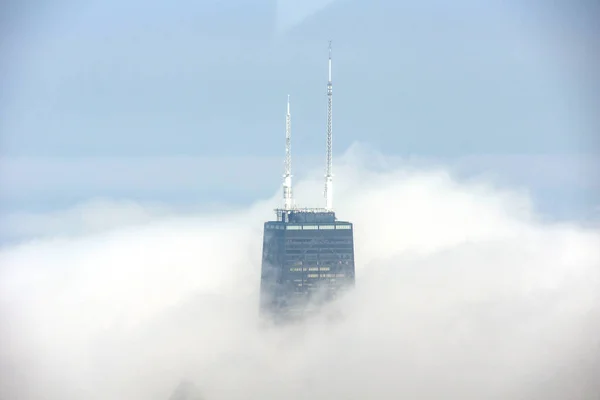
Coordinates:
288 201
328 168
329 80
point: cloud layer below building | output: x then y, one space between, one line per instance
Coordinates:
462 292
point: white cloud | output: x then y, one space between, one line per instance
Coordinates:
461 293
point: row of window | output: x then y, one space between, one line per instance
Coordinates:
307 283
326 275
322 262
308 227
319 244
294 269
332 255
312 240
315 249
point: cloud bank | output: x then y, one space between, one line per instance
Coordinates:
461 293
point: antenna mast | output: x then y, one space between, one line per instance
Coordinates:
288 201
328 173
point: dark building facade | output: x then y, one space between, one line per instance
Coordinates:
307 259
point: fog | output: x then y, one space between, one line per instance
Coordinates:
463 292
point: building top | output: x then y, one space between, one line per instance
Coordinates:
302 215
307 219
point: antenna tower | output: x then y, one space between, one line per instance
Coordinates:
288 201
328 173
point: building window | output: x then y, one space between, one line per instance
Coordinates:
310 227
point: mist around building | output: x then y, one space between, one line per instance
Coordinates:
462 291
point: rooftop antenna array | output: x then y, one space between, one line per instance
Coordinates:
328 172
288 200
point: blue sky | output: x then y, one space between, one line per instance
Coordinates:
184 101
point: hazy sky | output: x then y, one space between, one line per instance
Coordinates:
94 91
210 78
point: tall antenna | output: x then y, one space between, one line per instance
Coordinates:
288 201
328 174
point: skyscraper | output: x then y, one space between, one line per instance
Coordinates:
308 255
